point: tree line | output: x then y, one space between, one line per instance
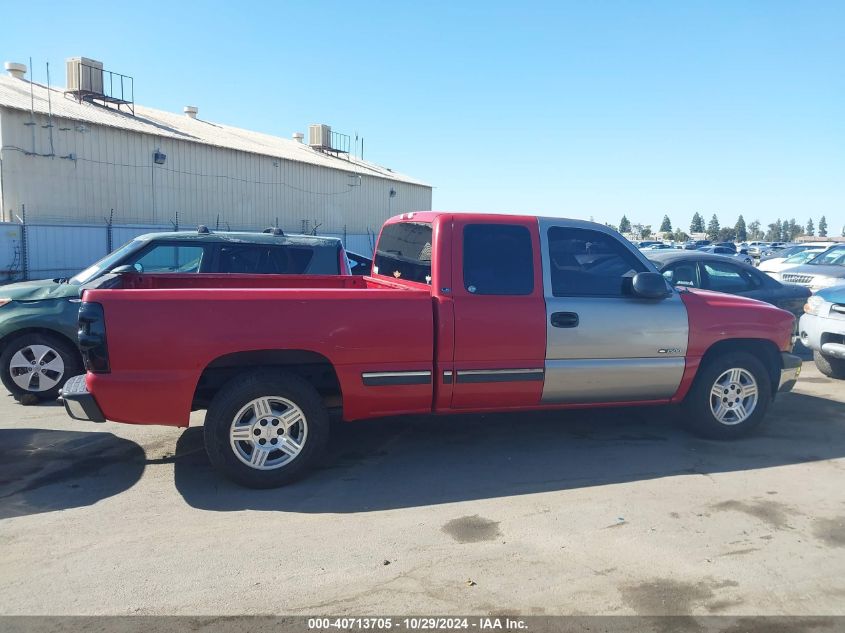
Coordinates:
777 231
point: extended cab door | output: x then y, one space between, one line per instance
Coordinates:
499 312
604 344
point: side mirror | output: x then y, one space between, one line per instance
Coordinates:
127 268
650 285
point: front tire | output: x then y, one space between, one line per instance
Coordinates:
37 366
829 366
266 429
729 397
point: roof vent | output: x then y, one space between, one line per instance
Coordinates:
202 229
191 111
273 230
320 136
15 69
298 136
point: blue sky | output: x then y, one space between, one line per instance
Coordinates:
581 109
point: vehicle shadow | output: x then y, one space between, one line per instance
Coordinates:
43 470
417 461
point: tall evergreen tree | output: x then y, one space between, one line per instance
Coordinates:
666 225
697 224
811 229
741 232
624 225
754 230
713 228
822 227
775 229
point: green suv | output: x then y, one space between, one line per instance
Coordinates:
38 319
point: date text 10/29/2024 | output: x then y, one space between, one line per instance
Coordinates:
416 624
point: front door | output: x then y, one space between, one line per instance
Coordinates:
603 344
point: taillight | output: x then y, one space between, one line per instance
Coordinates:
92 338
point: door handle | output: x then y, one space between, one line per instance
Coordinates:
564 319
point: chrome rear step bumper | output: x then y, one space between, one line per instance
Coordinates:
79 404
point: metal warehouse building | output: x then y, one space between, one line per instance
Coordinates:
84 168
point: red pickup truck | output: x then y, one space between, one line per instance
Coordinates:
462 313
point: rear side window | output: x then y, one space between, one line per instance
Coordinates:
583 262
404 252
263 259
498 260
723 277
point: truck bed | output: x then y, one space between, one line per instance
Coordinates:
165 330
138 281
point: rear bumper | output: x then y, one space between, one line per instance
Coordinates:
789 372
79 404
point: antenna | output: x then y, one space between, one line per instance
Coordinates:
31 123
49 112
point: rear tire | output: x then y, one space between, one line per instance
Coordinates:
729 397
829 366
266 429
36 366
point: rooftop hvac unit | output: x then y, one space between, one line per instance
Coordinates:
84 75
320 136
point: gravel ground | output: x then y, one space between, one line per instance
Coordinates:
592 512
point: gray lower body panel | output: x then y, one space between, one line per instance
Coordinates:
612 379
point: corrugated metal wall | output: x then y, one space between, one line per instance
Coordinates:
94 169
71 182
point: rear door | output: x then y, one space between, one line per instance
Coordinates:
603 344
499 313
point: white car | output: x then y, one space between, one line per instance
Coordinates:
792 256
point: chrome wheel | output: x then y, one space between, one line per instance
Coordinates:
36 368
733 396
268 432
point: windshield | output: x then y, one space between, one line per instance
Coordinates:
832 257
95 270
801 257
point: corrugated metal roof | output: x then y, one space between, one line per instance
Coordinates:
15 93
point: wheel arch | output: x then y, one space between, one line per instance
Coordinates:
312 366
5 340
763 349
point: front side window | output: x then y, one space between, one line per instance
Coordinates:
170 258
723 277
589 263
404 252
498 259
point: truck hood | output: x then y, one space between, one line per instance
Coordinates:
723 300
39 290
715 316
